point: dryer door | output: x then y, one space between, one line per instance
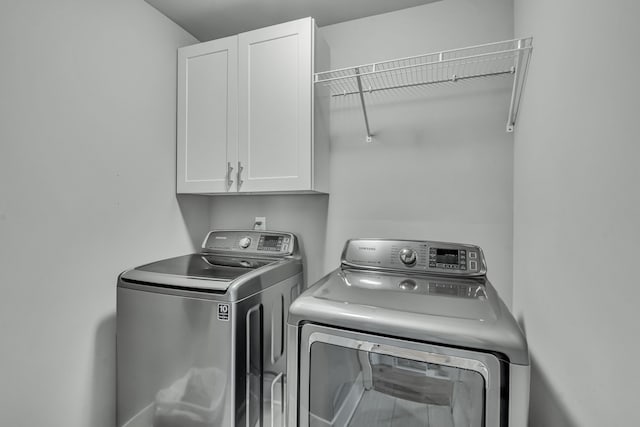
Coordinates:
356 379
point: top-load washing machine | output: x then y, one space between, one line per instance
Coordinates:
406 333
201 338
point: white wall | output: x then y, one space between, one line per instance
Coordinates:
577 206
87 189
440 166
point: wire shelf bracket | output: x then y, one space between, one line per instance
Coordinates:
364 106
481 61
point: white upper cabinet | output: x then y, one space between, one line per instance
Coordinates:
249 119
207 116
275 69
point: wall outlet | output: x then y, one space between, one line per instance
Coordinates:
260 223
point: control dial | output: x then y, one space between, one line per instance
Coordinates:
408 256
245 242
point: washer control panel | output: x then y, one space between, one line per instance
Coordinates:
413 255
250 242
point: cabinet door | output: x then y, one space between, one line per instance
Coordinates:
207 116
275 107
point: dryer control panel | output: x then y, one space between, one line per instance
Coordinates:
420 256
250 242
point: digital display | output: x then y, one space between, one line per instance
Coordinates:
270 241
447 256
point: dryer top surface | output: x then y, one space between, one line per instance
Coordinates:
463 312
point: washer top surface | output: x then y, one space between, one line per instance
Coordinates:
237 262
197 266
380 288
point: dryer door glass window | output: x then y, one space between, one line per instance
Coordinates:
374 385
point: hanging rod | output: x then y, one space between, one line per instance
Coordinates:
486 60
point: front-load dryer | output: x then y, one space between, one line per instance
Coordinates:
201 337
406 333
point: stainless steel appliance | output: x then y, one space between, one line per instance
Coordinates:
406 333
201 338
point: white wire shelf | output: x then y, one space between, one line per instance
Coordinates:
487 60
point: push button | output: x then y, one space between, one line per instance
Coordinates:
473 265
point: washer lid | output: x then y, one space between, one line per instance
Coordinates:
197 271
463 312
235 262
203 266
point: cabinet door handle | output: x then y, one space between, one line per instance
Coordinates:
229 180
239 178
